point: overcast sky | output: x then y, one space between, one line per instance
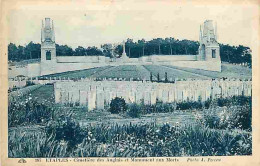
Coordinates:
87 25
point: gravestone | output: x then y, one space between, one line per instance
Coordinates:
100 100
83 97
91 100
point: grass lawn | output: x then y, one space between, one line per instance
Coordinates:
101 116
79 73
44 93
228 70
126 71
143 72
172 73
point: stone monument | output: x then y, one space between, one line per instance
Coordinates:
209 47
48 48
124 56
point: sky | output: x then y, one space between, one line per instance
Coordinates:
83 24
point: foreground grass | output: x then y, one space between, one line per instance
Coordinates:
141 140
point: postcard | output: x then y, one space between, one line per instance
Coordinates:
129 82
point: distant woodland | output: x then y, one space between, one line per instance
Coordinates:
134 49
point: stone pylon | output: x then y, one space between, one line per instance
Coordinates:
124 56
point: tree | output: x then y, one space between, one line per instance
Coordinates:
93 51
12 51
129 44
141 44
32 50
170 41
107 50
117 105
64 50
80 51
21 52
118 50
168 46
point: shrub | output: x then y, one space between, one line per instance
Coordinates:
207 104
234 100
189 105
134 110
117 105
228 117
67 130
244 117
164 107
28 112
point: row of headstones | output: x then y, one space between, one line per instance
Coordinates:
116 79
93 99
192 85
97 98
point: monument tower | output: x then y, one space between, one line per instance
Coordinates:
124 56
48 48
209 47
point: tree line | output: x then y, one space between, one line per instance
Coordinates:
134 49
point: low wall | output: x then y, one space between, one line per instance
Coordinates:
80 59
34 70
204 65
167 58
71 63
15 71
64 67
99 94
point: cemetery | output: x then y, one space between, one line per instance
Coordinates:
65 103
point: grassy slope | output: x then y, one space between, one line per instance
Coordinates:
228 70
44 93
172 73
127 71
143 72
80 73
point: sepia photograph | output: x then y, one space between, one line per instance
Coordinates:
120 79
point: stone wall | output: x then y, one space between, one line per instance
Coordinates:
71 63
204 65
80 59
64 67
34 69
98 94
15 71
173 58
